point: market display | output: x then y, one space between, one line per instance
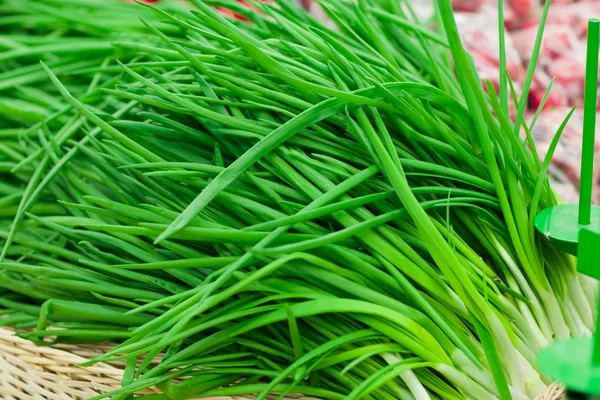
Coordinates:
248 200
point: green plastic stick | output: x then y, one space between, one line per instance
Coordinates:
589 122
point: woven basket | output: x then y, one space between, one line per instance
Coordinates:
28 371
31 372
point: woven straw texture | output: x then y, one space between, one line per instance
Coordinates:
31 372
28 371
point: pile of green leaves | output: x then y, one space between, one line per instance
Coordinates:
275 206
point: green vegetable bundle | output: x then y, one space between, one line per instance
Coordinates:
275 206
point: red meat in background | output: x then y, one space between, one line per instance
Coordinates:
567 156
562 57
590 9
479 33
524 8
569 75
574 15
558 41
467 5
556 98
541 82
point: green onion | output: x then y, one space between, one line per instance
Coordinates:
275 206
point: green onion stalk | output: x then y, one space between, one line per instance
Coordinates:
274 205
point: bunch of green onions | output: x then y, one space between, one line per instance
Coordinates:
275 206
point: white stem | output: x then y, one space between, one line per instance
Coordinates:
557 319
414 385
590 287
526 352
525 320
471 388
402 393
506 351
480 375
534 385
580 301
569 314
405 394
538 310
580 327
484 377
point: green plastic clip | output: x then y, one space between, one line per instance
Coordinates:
575 229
